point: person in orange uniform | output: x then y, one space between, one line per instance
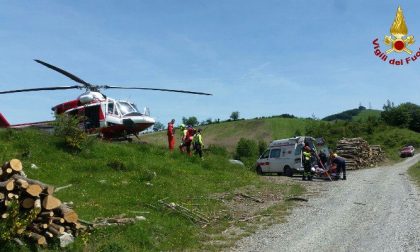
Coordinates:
171 138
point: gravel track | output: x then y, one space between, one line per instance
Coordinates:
375 209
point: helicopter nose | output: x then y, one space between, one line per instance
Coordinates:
149 119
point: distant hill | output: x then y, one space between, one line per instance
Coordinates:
353 114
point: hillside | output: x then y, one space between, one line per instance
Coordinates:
110 179
365 114
227 134
353 114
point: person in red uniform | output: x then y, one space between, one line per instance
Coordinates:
171 138
186 145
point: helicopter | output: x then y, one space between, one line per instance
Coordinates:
108 117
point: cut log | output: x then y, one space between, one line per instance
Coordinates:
49 234
34 190
27 203
36 228
13 164
54 231
46 214
68 214
43 220
43 225
39 239
50 202
47 189
37 204
11 196
57 220
2 195
22 183
8 185
57 227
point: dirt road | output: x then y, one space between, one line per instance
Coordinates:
375 209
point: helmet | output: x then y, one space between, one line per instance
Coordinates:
182 126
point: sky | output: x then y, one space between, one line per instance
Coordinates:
261 58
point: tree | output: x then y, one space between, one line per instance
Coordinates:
235 115
405 115
158 126
192 120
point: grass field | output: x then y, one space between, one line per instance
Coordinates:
227 134
110 179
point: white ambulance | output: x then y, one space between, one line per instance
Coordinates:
284 156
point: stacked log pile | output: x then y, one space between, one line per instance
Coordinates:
358 153
377 154
29 210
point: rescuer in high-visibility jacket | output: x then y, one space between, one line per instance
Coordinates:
171 138
183 137
306 160
198 143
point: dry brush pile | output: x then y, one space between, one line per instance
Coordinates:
29 211
358 153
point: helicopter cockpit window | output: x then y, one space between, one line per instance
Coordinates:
112 109
126 108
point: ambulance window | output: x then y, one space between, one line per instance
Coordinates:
275 153
265 154
298 149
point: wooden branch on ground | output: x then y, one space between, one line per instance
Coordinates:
250 197
62 187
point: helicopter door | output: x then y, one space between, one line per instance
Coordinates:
92 117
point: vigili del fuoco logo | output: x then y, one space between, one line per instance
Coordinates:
398 43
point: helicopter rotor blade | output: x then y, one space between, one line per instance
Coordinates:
155 89
40 89
69 75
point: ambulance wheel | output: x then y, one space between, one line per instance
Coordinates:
288 171
259 170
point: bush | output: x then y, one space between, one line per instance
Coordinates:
262 146
246 148
73 136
